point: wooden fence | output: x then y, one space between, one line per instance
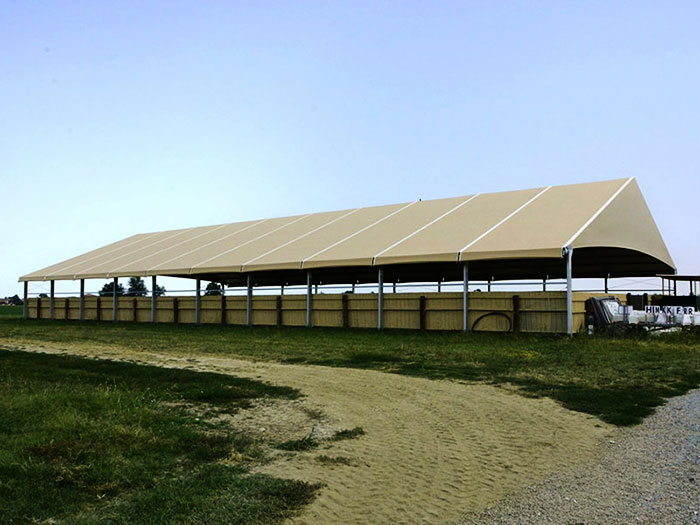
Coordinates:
539 312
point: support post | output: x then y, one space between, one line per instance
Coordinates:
346 316
353 288
249 302
154 298
52 300
421 312
606 284
569 252
25 305
393 289
380 297
278 309
675 290
281 289
516 314
465 297
223 308
198 302
308 299
544 284
66 308
488 285
115 304
81 314
439 286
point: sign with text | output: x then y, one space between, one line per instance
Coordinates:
670 310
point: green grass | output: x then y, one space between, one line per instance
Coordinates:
619 380
91 441
10 311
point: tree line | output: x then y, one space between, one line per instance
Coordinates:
137 288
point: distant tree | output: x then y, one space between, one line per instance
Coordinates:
160 290
137 288
214 289
108 290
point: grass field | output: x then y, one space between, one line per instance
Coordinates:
10 311
90 441
619 380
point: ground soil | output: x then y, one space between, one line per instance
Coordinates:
432 450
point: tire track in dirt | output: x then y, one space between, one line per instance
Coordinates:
432 449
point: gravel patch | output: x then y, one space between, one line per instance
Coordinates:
646 474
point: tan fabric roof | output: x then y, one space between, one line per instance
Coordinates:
535 223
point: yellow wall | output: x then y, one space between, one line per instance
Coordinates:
540 312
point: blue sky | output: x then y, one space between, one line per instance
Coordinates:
126 117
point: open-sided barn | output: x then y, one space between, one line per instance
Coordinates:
600 229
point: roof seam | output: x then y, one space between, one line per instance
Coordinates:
299 237
356 233
64 268
210 243
424 227
596 214
180 232
502 221
251 240
171 246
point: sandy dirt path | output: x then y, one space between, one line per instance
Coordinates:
432 451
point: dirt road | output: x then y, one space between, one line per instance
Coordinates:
432 450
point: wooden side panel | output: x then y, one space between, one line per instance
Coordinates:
327 310
235 309
294 310
264 310
539 312
362 310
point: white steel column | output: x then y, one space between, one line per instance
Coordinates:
380 297
154 298
115 304
25 306
465 297
249 302
308 299
197 302
81 312
52 299
569 252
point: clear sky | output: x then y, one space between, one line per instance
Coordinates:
125 117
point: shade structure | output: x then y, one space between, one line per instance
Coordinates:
506 235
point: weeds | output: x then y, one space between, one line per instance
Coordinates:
348 434
308 442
